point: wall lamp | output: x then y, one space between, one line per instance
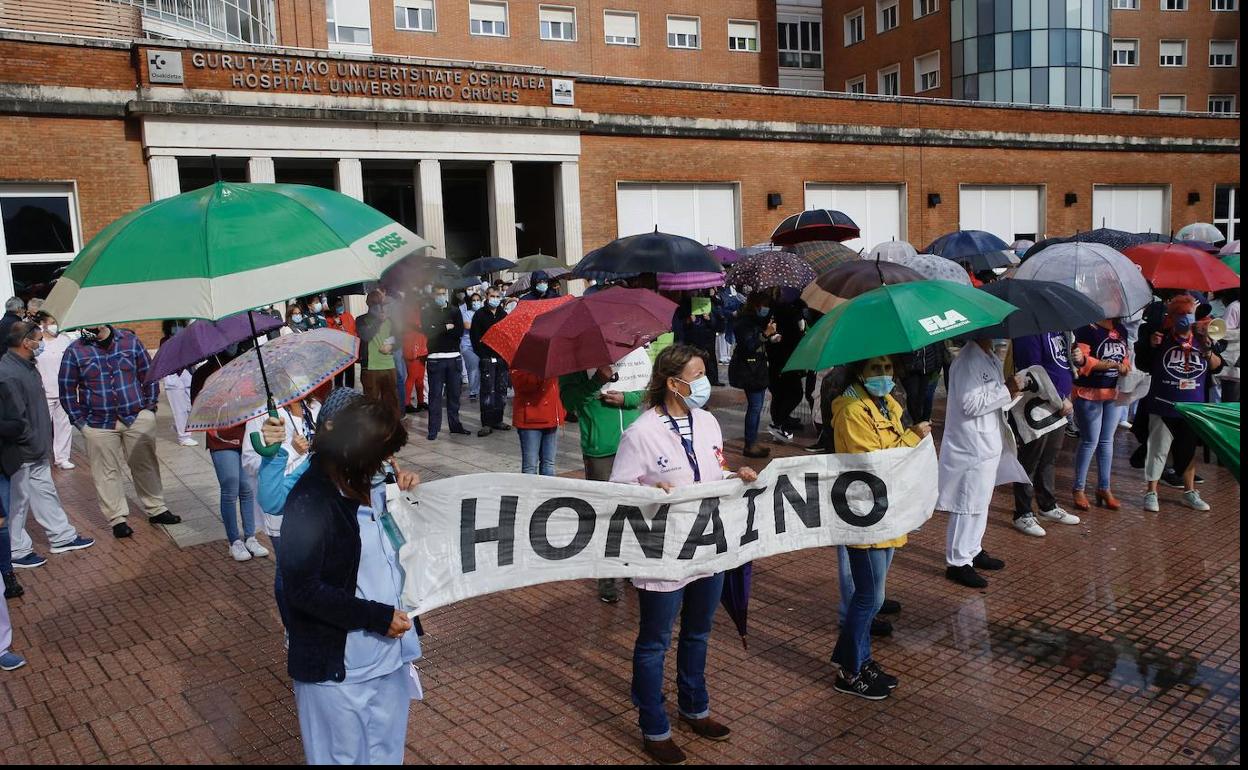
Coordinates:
933 200
774 200
1071 199
1193 198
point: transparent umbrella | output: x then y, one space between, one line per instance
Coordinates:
1097 271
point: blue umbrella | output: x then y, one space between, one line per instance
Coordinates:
979 249
487 265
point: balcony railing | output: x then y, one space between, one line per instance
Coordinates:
234 21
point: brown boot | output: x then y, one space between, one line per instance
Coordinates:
707 728
665 752
755 451
1106 499
1081 500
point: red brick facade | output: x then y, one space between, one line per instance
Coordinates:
900 46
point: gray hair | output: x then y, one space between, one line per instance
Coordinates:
34 305
14 305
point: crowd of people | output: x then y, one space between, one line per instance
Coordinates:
338 581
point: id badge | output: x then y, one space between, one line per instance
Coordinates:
1187 384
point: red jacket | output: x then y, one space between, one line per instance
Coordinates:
537 404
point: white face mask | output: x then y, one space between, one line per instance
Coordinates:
317 307
52 329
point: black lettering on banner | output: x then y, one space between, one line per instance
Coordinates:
649 537
1045 422
751 534
840 501
708 513
586 518
504 534
807 509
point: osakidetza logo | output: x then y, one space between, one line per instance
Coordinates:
937 324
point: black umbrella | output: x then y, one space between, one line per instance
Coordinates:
1115 239
1043 306
815 225
654 252
487 265
1041 245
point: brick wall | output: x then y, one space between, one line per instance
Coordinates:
301 23
910 39
66 65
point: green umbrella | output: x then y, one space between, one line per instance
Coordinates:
1218 426
1232 261
900 318
225 248
535 262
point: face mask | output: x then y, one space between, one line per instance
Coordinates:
879 386
317 307
542 287
442 300
763 312
339 310
296 318
494 301
52 329
1184 322
476 305
40 349
699 392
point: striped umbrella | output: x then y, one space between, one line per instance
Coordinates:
816 225
825 255
689 281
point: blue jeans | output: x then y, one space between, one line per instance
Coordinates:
753 414
237 495
400 371
696 604
278 595
471 365
537 450
869 568
845 581
444 376
1097 421
6 553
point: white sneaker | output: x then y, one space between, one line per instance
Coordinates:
1192 500
1029 526
187 442
1150 502
255 549
66 465
1060 516
1126 424
239 551
780 434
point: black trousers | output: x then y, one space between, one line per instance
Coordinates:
786 394
1039 459
493 391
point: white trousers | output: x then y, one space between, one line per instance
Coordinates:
722 351
62 432
1159 440
364 723
32 490
964 538
180 405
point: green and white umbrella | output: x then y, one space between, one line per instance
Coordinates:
225 248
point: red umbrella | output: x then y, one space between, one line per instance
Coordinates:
504 337
593 331
1175 266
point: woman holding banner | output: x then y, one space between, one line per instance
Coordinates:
865 418
674 443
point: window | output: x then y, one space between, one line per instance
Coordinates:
557 23
489 19
1222 104
1126 53
1174 5
855 27
743 36
415 15
1222 53
620 27
1226 210
1223 5
38 234
1174 53
682 31
856 86
1126 5
800 42
347 21
1124 102
1172 103
925 8
890 81
927 72
886 15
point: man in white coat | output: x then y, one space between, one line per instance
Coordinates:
977 453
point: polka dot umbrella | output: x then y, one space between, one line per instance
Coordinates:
771 269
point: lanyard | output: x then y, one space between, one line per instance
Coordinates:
686 443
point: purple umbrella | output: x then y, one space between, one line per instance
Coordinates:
203 338
736 597
689 281
725 255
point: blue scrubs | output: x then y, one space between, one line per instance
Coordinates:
363 719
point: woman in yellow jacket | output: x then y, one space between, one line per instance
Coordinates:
866 419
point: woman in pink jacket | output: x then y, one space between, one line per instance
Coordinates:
673 444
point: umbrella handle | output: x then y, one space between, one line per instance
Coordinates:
257 443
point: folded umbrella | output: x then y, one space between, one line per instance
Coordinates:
1095 270
648 253
891 251
1174 266
1218 426
895 319
535 262
770 269
978 249
1200 231
847 281
1043 306
487 265
735 597
593 331
294 366
815 225
934 268
202 339
689 281
825 255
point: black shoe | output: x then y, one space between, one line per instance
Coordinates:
873 670
1200 479
421 408
1139 456
12 588
863 686
890 607
983 561
483 432
501 426
461 431
409 409
164 517
966 575
432 437
121 530
1172 479
881 628
819 448
792 424
607 592
754 451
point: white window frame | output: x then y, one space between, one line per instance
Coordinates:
860 16
932 7
1125 5
39 190
1134 51
1181 5
1161 57
918 74
332 26
636 40
1230 101
861 80
733 38
419 6
481 29
797 21
1231 221
541 23
887 5
1234 53
1134 106
1182 108
884 72
697 36
1226 5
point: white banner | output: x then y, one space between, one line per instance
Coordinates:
472 535
1038 409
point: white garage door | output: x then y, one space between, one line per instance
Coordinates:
1134 208
879 210
706 213
1010 213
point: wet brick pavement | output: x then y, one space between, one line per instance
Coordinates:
1115 641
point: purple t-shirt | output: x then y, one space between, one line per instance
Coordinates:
1106 345
1178 375
1047 350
